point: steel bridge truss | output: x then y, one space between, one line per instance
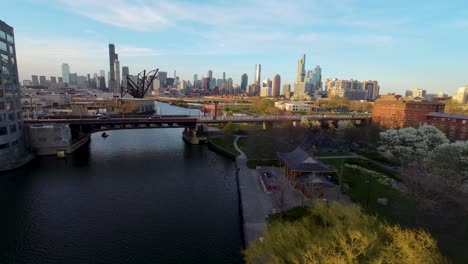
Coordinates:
140 88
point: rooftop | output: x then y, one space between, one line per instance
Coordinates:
447 115
299 160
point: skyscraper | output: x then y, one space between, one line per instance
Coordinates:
125 73
53 80
112 57
210 74
102 73
195 80
258 71
230 85
35 80
244 82
12 149
299 85
287 91
276 86
117 77
42 81
224 76
301 69
314 80
65 73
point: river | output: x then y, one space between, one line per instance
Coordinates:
138 196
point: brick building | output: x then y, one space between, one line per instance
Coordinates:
455 126
393 111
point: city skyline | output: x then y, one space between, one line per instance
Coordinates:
369 38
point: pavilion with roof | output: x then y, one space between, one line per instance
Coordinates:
306 173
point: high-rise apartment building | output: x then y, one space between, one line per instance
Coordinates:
42 81
372 88
276 86
258 72
66 73
418 92
287 91
462 95
125 73
351 89
35 80
210 74
244 82
314 80
162 77
12 149
73 78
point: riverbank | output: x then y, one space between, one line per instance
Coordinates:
256 205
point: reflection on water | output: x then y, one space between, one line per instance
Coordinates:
138 196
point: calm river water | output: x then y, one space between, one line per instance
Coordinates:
138 196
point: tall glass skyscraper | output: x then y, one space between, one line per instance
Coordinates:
258 72
66 73
12 149
244 82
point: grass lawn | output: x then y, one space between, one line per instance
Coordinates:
262 147
365 189
225 142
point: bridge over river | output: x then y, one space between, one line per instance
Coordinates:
48 136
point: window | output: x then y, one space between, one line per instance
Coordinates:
4 146
3 131
2 106
8 105
2 34
13 128
14 142
4 58
18 115
1 93
3 46
11 49
5 70
11 116
10 38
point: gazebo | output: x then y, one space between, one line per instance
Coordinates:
305 172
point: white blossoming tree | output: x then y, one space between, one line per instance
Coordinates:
410 144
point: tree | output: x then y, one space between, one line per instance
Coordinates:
228 128
407 144
342 126
454 107
341 234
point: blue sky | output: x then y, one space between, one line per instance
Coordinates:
402 44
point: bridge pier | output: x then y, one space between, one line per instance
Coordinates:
194 135
53 139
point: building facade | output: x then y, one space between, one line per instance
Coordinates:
244 82
454 126
393 111
276 86
372 89
66 73
300 85
258 72
462 95
12 149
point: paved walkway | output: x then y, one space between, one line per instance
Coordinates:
256 205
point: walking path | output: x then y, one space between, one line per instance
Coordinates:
256 204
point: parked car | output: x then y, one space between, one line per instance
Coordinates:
154 117
103 117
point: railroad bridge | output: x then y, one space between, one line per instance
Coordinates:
48 136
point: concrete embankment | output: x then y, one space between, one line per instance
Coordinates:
255 203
